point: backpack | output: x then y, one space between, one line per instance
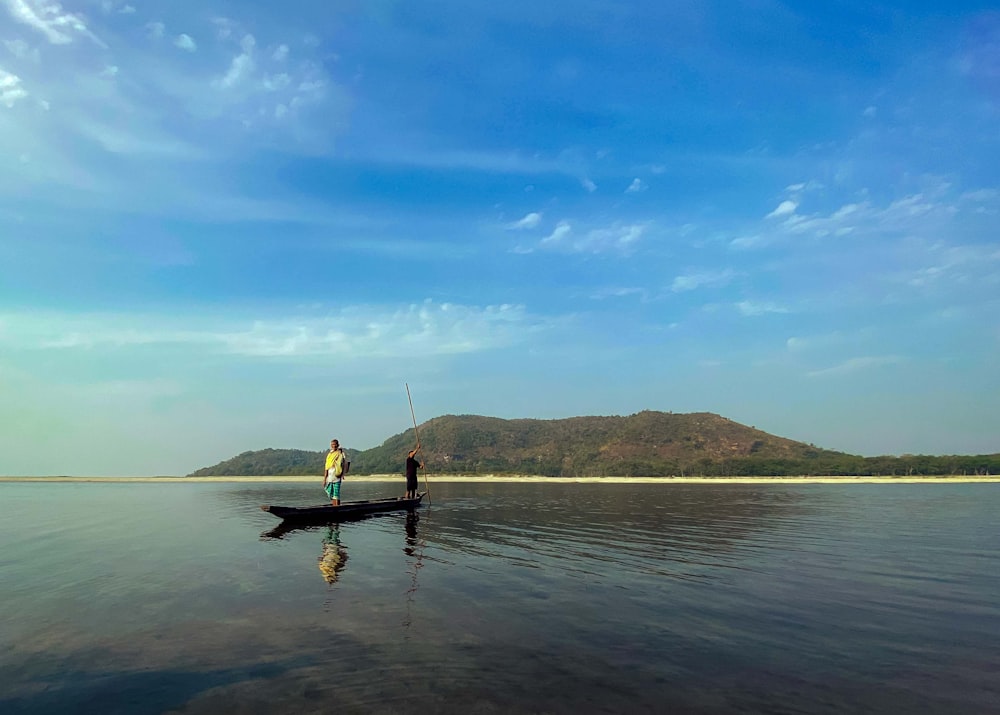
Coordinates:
341 465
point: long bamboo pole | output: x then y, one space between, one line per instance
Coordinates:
416 434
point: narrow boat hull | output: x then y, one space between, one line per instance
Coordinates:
346 510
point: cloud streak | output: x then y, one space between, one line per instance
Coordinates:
857 364
51 20
355 334
11 91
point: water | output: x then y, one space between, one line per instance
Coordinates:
156 598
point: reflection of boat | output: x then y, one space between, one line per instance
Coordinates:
344 511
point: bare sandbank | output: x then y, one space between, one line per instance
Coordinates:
521 479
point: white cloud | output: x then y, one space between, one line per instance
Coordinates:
748 242
359 333
280 53
589 185
110 6
923 214
618 237
274 83
561 231
186 42
617 292
22 50
311 86
241 67
785 208
531 220
692 281
225 27
635 187
156 29
11 90
752 308
50 19
857 364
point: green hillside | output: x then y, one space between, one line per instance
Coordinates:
644 444
270 462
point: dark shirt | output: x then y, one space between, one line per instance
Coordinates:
411 468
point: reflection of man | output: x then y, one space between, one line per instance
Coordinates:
334 556
411 532
412 465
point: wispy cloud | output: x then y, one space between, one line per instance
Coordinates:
617 292
354 334
530 220
754 308
857 364
49 18
22 50
559 234
785 208
635 187
619 238
116 7
704 279
925 213
186 42
11 90
241 66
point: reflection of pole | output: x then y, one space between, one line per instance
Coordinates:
415 549
417 435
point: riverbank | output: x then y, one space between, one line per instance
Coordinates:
522 479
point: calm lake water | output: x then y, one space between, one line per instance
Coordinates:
525 598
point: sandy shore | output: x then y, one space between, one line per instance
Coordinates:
521 479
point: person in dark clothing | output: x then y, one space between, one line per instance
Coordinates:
412 465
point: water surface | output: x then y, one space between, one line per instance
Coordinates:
566 598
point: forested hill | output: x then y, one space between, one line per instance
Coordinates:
647 443
644 444
271 462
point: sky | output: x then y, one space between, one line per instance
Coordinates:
227 226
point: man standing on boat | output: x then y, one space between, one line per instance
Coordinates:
333 474
412 465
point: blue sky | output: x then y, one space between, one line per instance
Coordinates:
236 225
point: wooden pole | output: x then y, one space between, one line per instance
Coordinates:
416 434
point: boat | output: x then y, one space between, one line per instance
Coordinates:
344 510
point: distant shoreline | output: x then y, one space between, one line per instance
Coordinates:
514 479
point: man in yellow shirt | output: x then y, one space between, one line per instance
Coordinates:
333 474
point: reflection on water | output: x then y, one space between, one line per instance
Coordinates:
502 598
334 556
414 550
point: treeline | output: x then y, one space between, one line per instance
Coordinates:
268 462
291 462
581 466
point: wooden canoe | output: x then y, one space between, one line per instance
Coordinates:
345 510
